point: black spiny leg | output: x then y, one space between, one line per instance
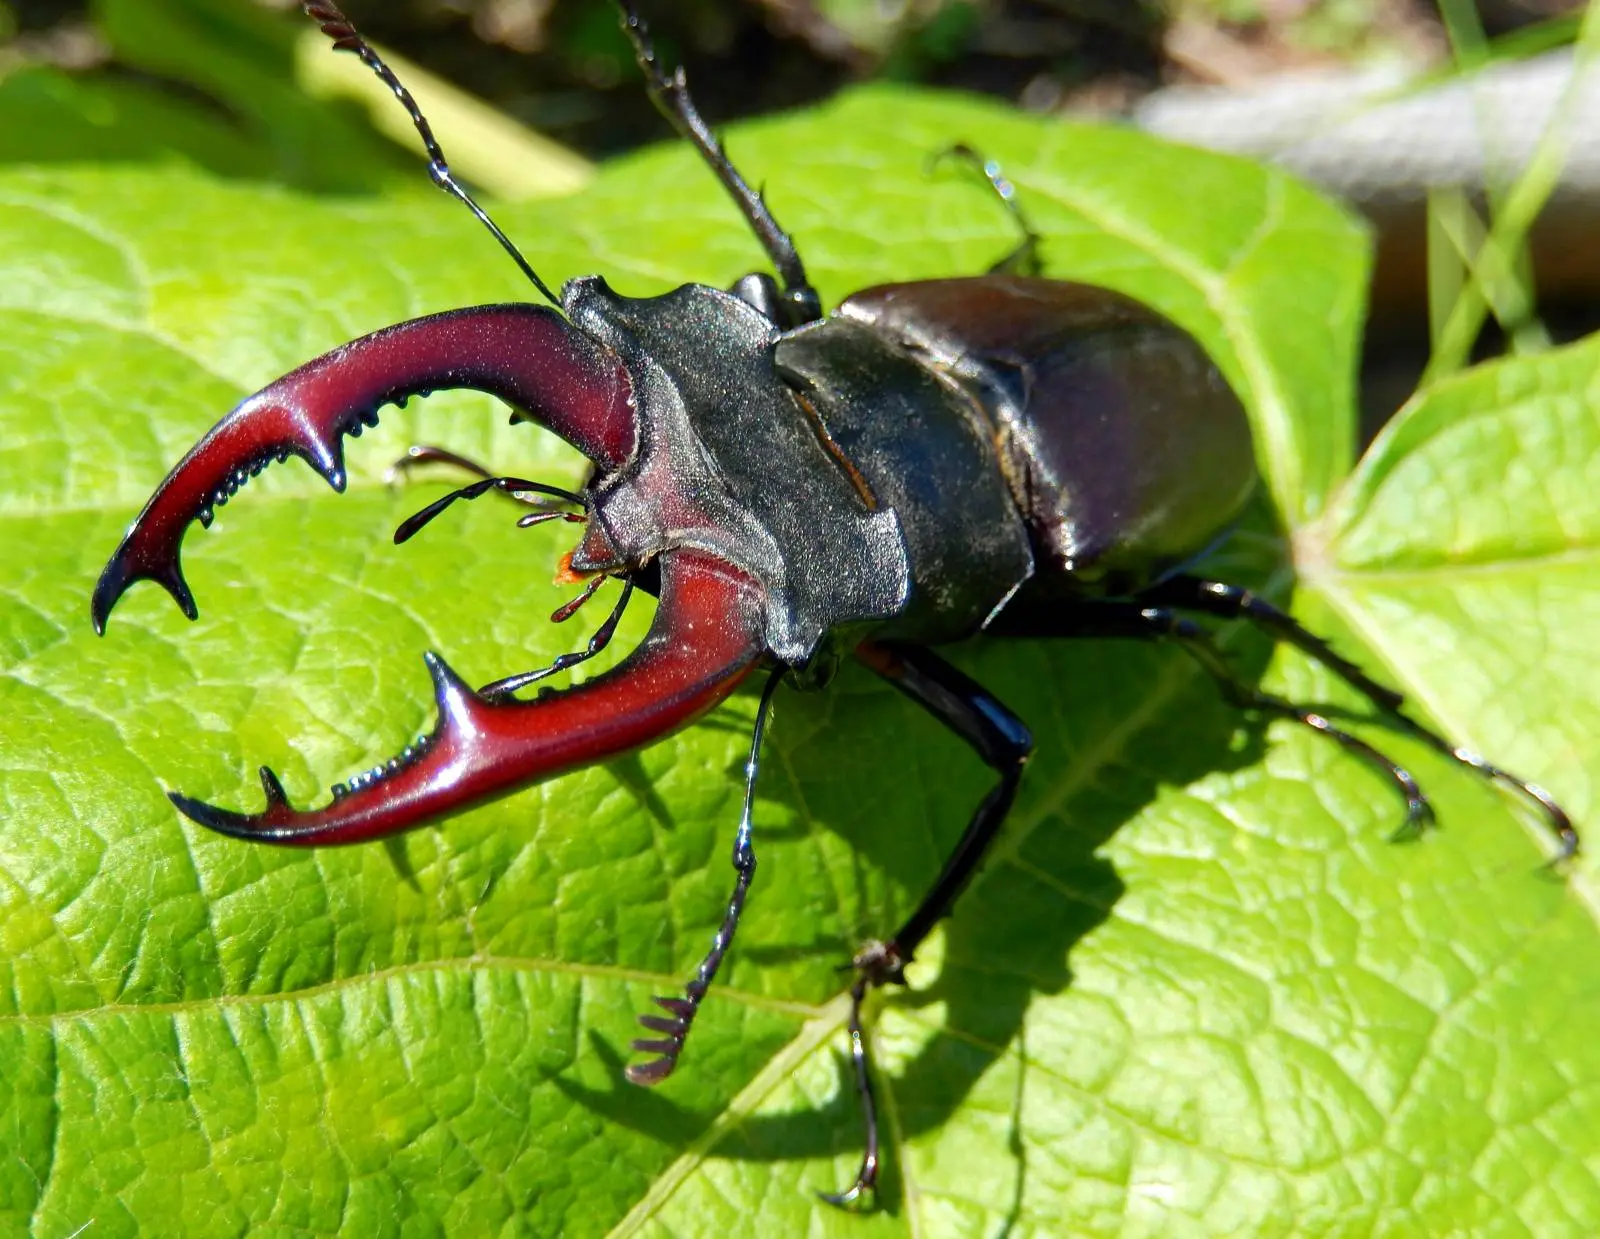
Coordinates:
670 94
999 737
1024 260
1111 619
1233 602
674 1031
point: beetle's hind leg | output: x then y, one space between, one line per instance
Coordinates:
672 1029
1130 619
1233 602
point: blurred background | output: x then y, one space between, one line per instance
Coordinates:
562 68
1423 113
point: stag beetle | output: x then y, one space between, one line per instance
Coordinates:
999 454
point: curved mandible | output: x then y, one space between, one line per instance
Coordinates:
706 637
527 355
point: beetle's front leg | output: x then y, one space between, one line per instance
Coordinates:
673 1031
1000 738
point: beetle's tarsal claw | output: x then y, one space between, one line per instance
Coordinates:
845 1199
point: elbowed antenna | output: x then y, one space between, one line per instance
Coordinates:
346 38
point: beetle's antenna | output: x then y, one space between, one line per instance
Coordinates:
346 38
501 690
1025 257
670 94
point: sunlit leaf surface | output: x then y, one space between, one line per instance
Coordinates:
1196 991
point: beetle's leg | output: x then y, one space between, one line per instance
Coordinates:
675 1030
1133 620
999 737
1024 260
502 690
670 94
1234 602
706 637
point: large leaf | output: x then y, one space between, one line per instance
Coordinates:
1196 992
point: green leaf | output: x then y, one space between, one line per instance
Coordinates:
1196 991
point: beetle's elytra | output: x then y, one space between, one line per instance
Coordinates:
998 454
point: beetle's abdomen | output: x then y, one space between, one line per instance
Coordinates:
1124 448
915 443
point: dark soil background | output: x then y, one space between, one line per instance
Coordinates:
562 67
213 82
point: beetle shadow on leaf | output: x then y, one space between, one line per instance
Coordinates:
629 771
1117 723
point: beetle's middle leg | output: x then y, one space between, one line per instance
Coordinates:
1000 738
1233 602
1024 258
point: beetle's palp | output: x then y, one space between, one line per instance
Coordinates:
674 1031
346 38
570 608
